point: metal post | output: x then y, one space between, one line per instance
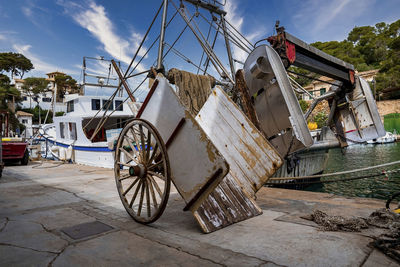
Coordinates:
123 81
162 34
228 47
54 100
84 75
210 53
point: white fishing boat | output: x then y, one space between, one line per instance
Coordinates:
86 133
387 138
71 137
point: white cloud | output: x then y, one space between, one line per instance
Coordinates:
94 19
237 21
39 16
40 66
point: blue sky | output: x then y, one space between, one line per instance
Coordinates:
55 35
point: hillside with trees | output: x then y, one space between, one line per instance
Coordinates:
367 48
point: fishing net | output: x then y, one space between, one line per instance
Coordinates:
388 242
193 90
337 223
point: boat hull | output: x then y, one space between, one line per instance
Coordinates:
97 156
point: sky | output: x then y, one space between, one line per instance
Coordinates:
55 35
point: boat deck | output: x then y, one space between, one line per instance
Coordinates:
68 214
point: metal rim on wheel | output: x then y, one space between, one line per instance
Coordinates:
142 171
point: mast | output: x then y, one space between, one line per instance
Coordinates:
162 34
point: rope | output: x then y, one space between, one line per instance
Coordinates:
383 173
48 167
337 173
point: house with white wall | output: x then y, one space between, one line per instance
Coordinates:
25 118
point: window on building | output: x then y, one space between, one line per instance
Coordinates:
107 103
24 121
322 91
46 99
70 106
119 105
62 130
95 104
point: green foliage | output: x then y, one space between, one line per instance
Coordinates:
60 113
320 119
301 78
35 86
65 83
371 47
7 92
14 63
35 112
304 105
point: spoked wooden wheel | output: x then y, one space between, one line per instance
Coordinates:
142 171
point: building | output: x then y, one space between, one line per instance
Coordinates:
318 88
44 99
25 118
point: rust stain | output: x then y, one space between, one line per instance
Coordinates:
248 158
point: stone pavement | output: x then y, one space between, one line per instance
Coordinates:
42 206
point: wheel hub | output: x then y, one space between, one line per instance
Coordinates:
138 170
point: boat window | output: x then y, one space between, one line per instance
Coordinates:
95 104
72 130
62 131
118 105
46 99
106 103
70 106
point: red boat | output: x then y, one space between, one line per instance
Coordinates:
11 149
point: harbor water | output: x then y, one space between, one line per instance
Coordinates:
360 156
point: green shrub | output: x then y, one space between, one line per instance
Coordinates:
304 105
320 119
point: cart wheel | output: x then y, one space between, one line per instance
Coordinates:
142 171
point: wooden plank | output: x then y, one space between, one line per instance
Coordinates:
251 158
228 204
245 98
193 157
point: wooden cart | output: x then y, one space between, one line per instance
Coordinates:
216 160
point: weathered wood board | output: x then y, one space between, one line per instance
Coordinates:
226 205
252 159
194 160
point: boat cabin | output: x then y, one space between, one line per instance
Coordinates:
84 113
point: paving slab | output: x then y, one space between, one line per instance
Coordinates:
31 235
16 256
54 219
78 194
126 249
36 196
377 258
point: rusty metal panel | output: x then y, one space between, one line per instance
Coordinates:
360 118
196 165
252 159
277 107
